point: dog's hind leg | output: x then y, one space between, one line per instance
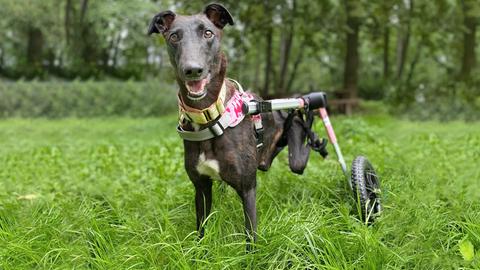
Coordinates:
298 150
273 144
203 201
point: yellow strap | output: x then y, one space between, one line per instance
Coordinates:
206 115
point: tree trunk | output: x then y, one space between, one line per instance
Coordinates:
297 63
414 62
268 48
50 56
89 48
352 58
404 40
285 50
256 77
469 58
116 49
268 62
402 48
83 11
68 8
89 51
35 47
2 61
286 46
386 49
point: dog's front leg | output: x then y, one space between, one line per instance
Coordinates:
203 202
250 211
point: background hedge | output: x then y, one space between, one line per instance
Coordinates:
86 99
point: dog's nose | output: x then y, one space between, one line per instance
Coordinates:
193 71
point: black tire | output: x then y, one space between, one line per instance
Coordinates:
366 189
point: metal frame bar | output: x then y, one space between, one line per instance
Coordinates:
333 140
255 107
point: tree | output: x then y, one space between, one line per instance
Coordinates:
268 6
29 28
471 14
354 13
383 12
403 38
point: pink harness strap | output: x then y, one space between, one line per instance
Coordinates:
234 108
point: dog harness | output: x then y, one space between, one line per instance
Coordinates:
217 116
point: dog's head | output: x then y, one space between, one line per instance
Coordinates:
193 45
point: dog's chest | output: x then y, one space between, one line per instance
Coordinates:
208 167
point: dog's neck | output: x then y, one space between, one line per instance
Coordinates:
213 87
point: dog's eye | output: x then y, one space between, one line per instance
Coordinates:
208 34
173 38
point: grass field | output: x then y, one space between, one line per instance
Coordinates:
113 194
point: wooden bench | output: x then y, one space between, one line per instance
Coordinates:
344 105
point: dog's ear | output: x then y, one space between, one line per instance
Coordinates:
161 22
219 15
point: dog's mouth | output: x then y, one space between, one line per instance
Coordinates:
196 89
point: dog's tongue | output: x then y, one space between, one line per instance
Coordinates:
197 86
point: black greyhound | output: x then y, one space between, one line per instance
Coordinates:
193 44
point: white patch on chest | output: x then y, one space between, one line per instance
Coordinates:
208 167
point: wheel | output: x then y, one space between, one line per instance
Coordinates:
366 189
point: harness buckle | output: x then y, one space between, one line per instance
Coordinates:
259 136
216 129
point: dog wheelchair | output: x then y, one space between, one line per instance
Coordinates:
298 114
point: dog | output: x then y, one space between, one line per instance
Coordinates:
228 152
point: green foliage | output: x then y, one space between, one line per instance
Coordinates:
87 99
113 194
90 39
86 39
445 101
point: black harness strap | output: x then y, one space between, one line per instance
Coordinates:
313 140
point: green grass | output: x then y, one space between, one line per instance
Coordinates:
113 194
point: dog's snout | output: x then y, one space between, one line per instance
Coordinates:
193 71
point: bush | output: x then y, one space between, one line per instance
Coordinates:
444 101
86 99
372 89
